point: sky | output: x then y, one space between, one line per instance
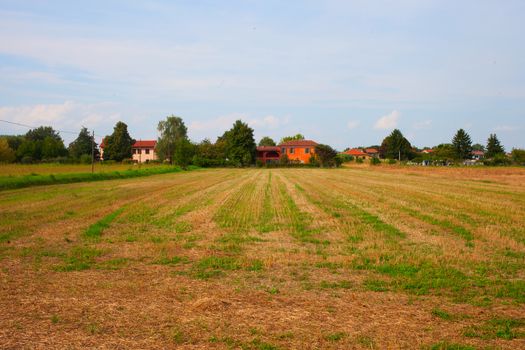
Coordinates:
344 73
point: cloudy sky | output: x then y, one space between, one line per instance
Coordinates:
340 72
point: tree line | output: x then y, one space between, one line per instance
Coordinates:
235 147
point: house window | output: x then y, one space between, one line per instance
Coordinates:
134 151
283 150
307 150
147 150
292 150
138 150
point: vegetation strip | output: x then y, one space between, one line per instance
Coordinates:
95 230
7 183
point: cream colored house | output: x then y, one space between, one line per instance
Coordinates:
142 151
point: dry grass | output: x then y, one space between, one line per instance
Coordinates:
364 258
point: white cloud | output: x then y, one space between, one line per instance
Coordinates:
352 124
425 124
388 121
223 123
68 116
506 128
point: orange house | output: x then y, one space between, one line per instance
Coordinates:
298 150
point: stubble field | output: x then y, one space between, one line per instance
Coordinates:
364 258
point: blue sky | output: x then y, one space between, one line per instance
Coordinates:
343 73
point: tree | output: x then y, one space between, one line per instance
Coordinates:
184 152
444 153
209 154
171 130
267 141
462 144
118 144
395 145
7 155
494 147
292 138
518 156
82 145
41 143
327 156
478 147
240 144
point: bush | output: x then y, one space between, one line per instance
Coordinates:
128 161
259 163
359 160
345 157
26 160
498 160
392 161
375 161
85 159
518 156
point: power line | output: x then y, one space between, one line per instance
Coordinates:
34 127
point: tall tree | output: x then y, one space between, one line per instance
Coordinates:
267 141
396 145
462 144
82 145
184 152
327 156
292 138
118 144
41 143
494 147
478 147
172 130
240 144
7 155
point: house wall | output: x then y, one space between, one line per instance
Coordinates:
299 153
140 155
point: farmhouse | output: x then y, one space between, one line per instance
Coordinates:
358 153
372 152
142 151
297 151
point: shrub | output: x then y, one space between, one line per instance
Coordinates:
128 161
375 161
26 160
518 156
392 161
85 159
498 160
359 160
259 163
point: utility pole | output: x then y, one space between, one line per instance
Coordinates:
93 152
400 155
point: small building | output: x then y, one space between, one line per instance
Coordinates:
142 151
358 153
372 152
427 151
268 154
478 155
298 150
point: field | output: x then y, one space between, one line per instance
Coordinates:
362 257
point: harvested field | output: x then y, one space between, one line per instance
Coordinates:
357 258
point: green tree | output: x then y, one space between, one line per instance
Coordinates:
240 144
82 145
518 156
494 147
267 141
41 133
118 144
292 138
478 147
462 144
444 153
52 148
396 145
184 152
327 156
172 131
7 155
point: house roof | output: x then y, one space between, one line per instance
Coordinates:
267 148
145 144
371 150
355 152
138 144
427 151
299 143
478 153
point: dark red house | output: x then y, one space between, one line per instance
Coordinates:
268 154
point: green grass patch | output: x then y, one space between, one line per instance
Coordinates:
376 285
502 328
174 260
335 337
7 182
79 259
436 312
95 231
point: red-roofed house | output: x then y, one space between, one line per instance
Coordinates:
372 152
357 153
268 154
142 151
299 150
